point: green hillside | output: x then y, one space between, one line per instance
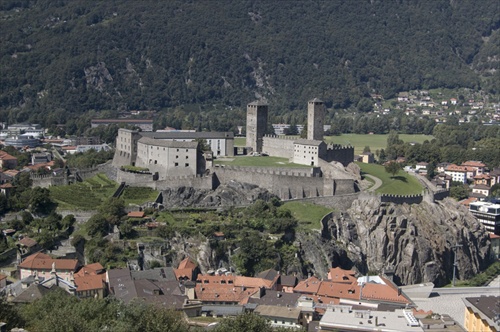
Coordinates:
63 58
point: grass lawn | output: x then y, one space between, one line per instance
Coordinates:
401 184
240 141
375 142
138 195
309 215
259 161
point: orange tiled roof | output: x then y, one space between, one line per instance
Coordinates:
467 201
41 261
330 289
5 156
222 293
456 168
187 263
136 214
494 236
11 172
340 275
90 269
252 282
382 292
28 242
7 185
310 285
473 163
88 282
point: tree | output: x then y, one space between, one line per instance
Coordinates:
460 191
113 209
40 202
244 322
97 225
392 168
366 149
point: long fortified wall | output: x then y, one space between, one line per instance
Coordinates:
287 183
148 180
47 180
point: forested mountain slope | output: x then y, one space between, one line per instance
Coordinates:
61 58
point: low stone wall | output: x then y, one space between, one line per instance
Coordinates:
401 199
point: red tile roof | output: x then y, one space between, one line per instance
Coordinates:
41 261
473 163
5 156
89 282
187 263
28 242
310 285
494 236
381 292
222 293
136 214
90 269
340 275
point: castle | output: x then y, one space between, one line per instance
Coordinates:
174 160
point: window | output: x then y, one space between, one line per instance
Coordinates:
187 150
176 157
187 157
187 165
176 164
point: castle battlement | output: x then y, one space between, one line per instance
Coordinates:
305 172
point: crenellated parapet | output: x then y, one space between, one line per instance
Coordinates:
401 199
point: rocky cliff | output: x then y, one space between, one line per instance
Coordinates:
415 241
232 194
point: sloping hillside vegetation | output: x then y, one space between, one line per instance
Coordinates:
63 58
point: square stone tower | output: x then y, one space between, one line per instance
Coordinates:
256 124
315 119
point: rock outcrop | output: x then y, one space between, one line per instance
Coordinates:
415 241
231 194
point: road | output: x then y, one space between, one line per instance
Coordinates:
377 184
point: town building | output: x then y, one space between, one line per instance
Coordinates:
7 161
40 266
482 314
488 214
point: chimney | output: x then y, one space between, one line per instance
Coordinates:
376 320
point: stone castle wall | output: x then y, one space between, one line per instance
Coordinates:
48 180
339 153
148 180
287 183
278 146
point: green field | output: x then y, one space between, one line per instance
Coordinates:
401 184
258 161
89 194
375 142
308 215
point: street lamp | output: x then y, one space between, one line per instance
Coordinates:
455 247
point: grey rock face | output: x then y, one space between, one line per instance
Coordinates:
231 194
416 240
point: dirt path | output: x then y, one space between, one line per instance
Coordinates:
377 184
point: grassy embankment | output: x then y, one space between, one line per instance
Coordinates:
89 194
308 215
400 184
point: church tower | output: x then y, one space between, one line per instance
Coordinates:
256 124
315 119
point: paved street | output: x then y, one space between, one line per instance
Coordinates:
449 300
